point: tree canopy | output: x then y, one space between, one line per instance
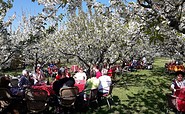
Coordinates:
93 32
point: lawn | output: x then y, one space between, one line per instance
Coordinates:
141 92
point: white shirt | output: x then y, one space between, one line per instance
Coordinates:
179 84
105 82
144 60
80 76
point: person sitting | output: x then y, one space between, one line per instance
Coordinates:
23 84
69 83
33 78
59 73
91 83
177 83
105 82
67 70
63 82
110 72
39 75
14 87
97 71
5 81
80 75
50 68
24 80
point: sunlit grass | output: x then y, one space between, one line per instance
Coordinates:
141 92
160 62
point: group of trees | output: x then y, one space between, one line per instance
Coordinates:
95 33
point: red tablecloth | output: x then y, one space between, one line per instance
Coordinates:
80 84
45 87
181 100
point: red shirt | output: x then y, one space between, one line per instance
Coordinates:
58 77
98 74
109 73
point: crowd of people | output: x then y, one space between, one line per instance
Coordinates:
98 77
99 80
61 77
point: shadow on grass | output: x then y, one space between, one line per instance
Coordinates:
129 80
150 98
151 101
160 71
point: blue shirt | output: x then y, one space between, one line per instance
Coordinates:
23 81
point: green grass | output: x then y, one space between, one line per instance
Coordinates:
12 73
159 62
141 92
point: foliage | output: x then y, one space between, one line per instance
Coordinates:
93 32
99 35
171 11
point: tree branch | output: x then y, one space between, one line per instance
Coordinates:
76 56
8 58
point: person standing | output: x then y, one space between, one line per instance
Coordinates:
177 83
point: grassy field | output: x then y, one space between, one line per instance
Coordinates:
141 92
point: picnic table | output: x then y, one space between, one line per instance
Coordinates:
49 88
43 86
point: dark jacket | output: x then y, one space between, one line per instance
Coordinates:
69 82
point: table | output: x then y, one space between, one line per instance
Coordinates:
80 84
45 87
